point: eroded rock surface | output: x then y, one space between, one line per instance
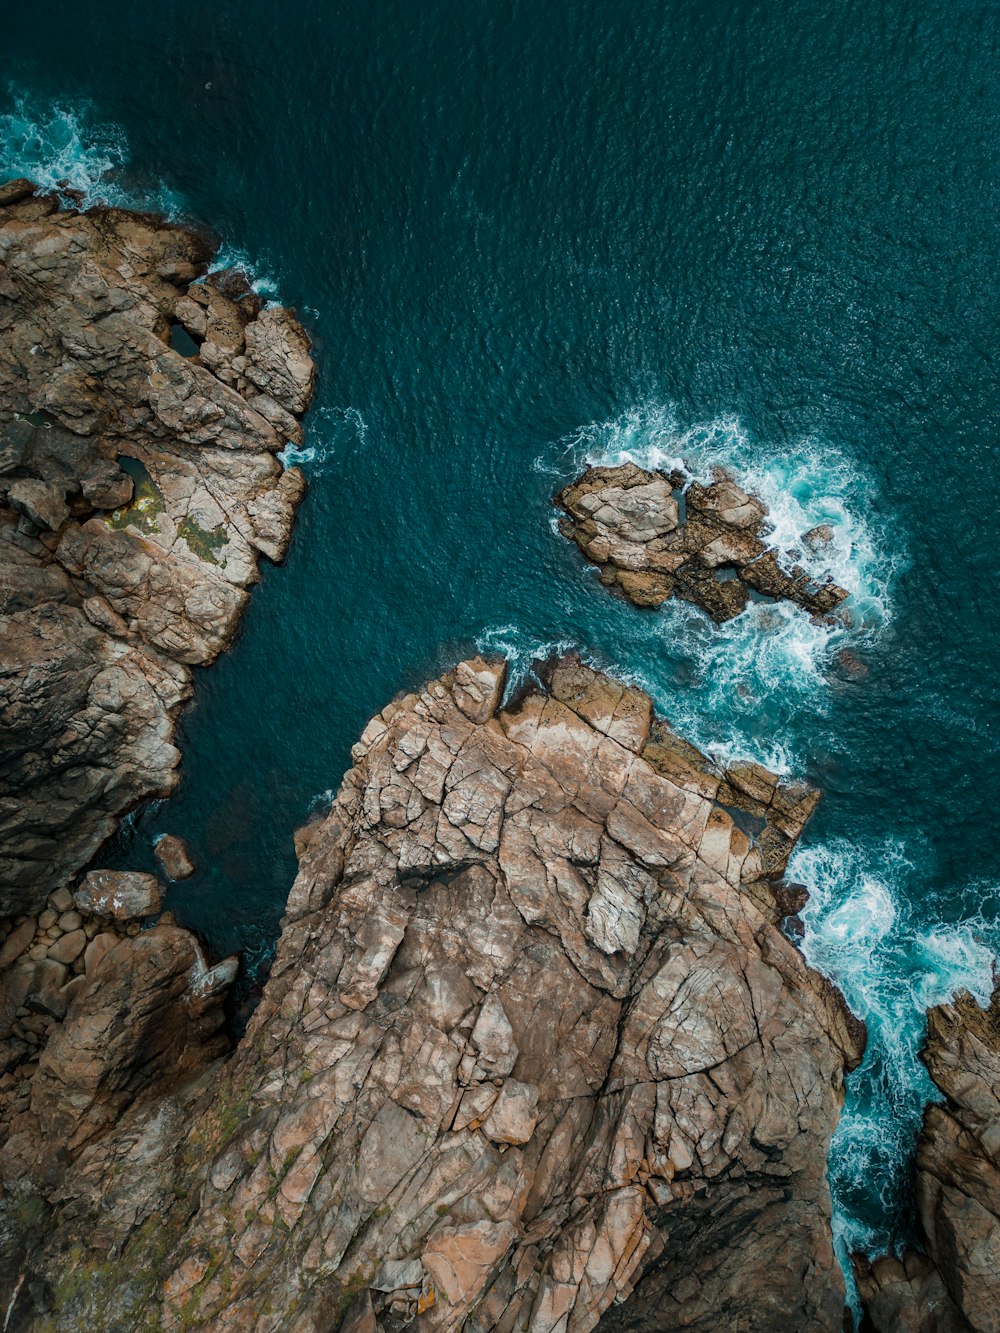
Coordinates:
628 521
138 490
533 1053
955 1287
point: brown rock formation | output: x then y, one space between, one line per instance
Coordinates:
138 490
956 1286
93 1014
533 1052
174 857
628 522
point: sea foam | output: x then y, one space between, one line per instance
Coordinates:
892 964
66 147
331 431
748 682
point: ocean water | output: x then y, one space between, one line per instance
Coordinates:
524 237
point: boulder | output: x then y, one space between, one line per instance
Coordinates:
43 502
174 857
17 942
105 485
119 895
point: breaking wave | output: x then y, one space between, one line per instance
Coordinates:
64 147
892 963
745 682
330 430
68 149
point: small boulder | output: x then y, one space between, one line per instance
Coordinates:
816 538
16 942
69 948
850 665
174 857
105 485
41 502
119 895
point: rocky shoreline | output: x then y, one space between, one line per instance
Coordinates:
537 1050
139 488
953 1285
533 1050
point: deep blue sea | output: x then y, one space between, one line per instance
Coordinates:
524 236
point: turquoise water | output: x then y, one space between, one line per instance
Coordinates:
527 236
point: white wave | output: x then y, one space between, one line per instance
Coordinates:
330 429
522 652
261 281
63 147
773 656
892 964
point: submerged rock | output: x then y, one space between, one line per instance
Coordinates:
138 490
174 857
628 521
955 1286
533 1053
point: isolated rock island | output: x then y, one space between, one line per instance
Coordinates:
655 535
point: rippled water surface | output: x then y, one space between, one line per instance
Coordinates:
525 236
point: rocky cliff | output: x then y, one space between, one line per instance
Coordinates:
534 1053
142 403
954 1286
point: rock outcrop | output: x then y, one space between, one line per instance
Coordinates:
955 1286
534 1053
95 1012
138 489
629 522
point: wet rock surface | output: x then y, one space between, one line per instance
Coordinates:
954 1287
533 1053
629 522
138 490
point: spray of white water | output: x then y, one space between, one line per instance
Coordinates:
892 963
